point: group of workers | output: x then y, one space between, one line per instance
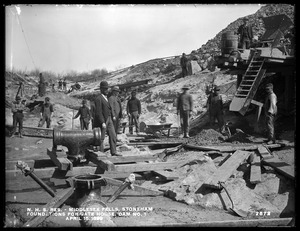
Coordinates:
106 112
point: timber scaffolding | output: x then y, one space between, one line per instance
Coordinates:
58 169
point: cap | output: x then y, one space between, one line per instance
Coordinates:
216 88
83 101
18 98
47 99
245 19
269 86
115 88
185 87
104 84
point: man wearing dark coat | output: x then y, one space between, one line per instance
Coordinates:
104 118
245 34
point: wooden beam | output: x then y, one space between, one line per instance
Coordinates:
274 222
166 175
142 190
201 148
123 159
103 163
15 180
255 171
155 143
42 163
264 152
226 169
142 167
56 202
281 167
61 162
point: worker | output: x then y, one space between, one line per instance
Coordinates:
92 110
183 64
64 83
103 118
116 107
85 116
17 109
53 87
184 109
270 109
215 104
245 33
133 110
46 113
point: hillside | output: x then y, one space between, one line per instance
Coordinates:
158 96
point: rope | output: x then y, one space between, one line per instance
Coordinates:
25 40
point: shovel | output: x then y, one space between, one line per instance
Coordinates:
236 211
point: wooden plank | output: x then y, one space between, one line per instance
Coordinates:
201 148
226 169
56 202
142 190
273 222
155 143
264 152
42 163
61 162
142 167
103 163
255 171
245 147
123 159
166 175
281 167
15 180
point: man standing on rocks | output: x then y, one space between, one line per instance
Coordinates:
46 113
133 111
184 109
103 118
17 109
116 106
270 109
245 34
85 116
215 105
183 64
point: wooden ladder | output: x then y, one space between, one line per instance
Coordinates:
249 84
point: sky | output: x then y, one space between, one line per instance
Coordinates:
82 38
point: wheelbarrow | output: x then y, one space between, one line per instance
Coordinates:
158 129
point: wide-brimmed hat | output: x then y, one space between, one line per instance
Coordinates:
47 99
115 88
83 101
269 86
18 98
185 87
245 19
104 84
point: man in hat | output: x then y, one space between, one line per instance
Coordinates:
104 118
46 113
245 33
183 64
116 107
85 116
215 108
184 109
17 109
270 110
133 111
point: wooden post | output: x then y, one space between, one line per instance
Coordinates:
258 112
73 119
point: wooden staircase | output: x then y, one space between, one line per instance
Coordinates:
249 84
